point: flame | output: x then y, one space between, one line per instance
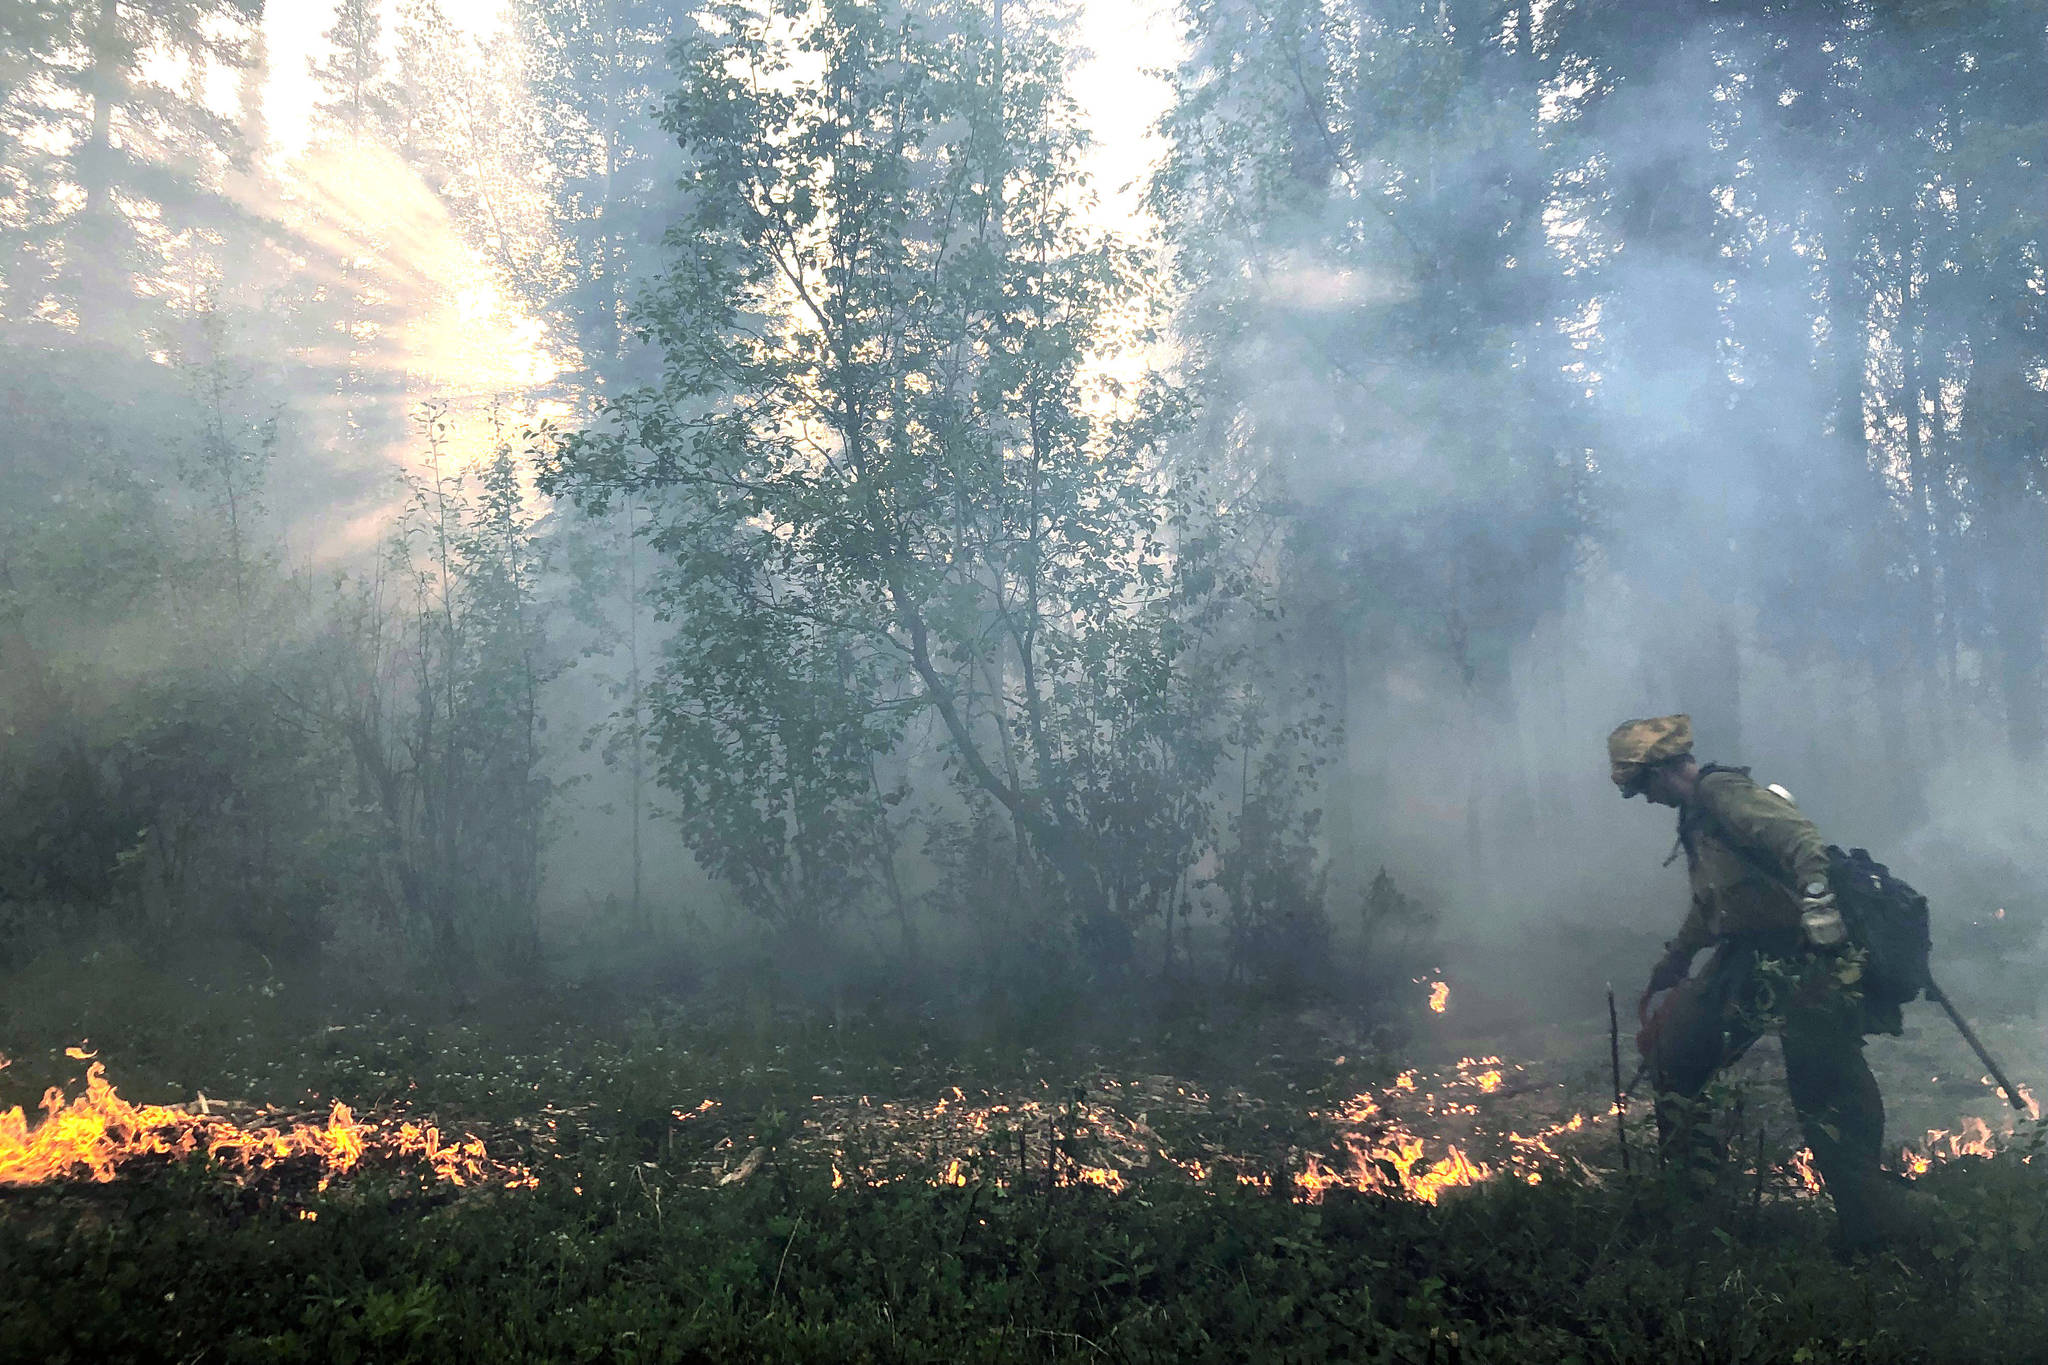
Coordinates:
95 1134
1440 996
1389 1136
1424 1133
1802 1170
1972 1137
1395 1165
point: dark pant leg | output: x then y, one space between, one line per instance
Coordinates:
1840 1110
1698 1034
1695 1038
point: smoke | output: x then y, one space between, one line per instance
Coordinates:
361 213
408 312
1609 472
1738 559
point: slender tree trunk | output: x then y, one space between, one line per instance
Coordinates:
1928 653
612 248
98 272
2004 440
255 130
1949 527
1345 873
637 754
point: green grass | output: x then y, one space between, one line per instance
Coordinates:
622 1254
788 1269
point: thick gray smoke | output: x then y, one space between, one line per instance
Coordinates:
1754 547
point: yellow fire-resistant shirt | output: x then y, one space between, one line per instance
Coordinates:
1748 850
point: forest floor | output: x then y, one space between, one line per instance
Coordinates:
710 1174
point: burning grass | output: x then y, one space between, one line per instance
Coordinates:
95 1135
776 1195
1418 1138
1425 1134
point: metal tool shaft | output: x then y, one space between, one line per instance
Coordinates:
1955 1016
1620 1095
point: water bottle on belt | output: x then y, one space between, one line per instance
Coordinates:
1819 921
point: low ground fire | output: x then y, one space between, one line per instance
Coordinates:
97 1135
1426 1133
1418 1137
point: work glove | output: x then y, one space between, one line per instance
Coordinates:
1653 1021
1668 973
1819 921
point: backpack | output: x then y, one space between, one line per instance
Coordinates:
1888 920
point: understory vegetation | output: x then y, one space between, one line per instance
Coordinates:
789 1270
625 1250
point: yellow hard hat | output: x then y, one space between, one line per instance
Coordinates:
1637 745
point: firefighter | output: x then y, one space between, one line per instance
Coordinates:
1781 963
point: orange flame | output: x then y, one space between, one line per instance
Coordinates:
1440 996
1803 1170
1973 1137
1388 1136
1424 1132
1393 1165
95 1134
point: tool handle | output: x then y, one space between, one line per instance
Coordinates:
1955 1016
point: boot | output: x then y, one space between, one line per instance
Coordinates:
1876 1212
